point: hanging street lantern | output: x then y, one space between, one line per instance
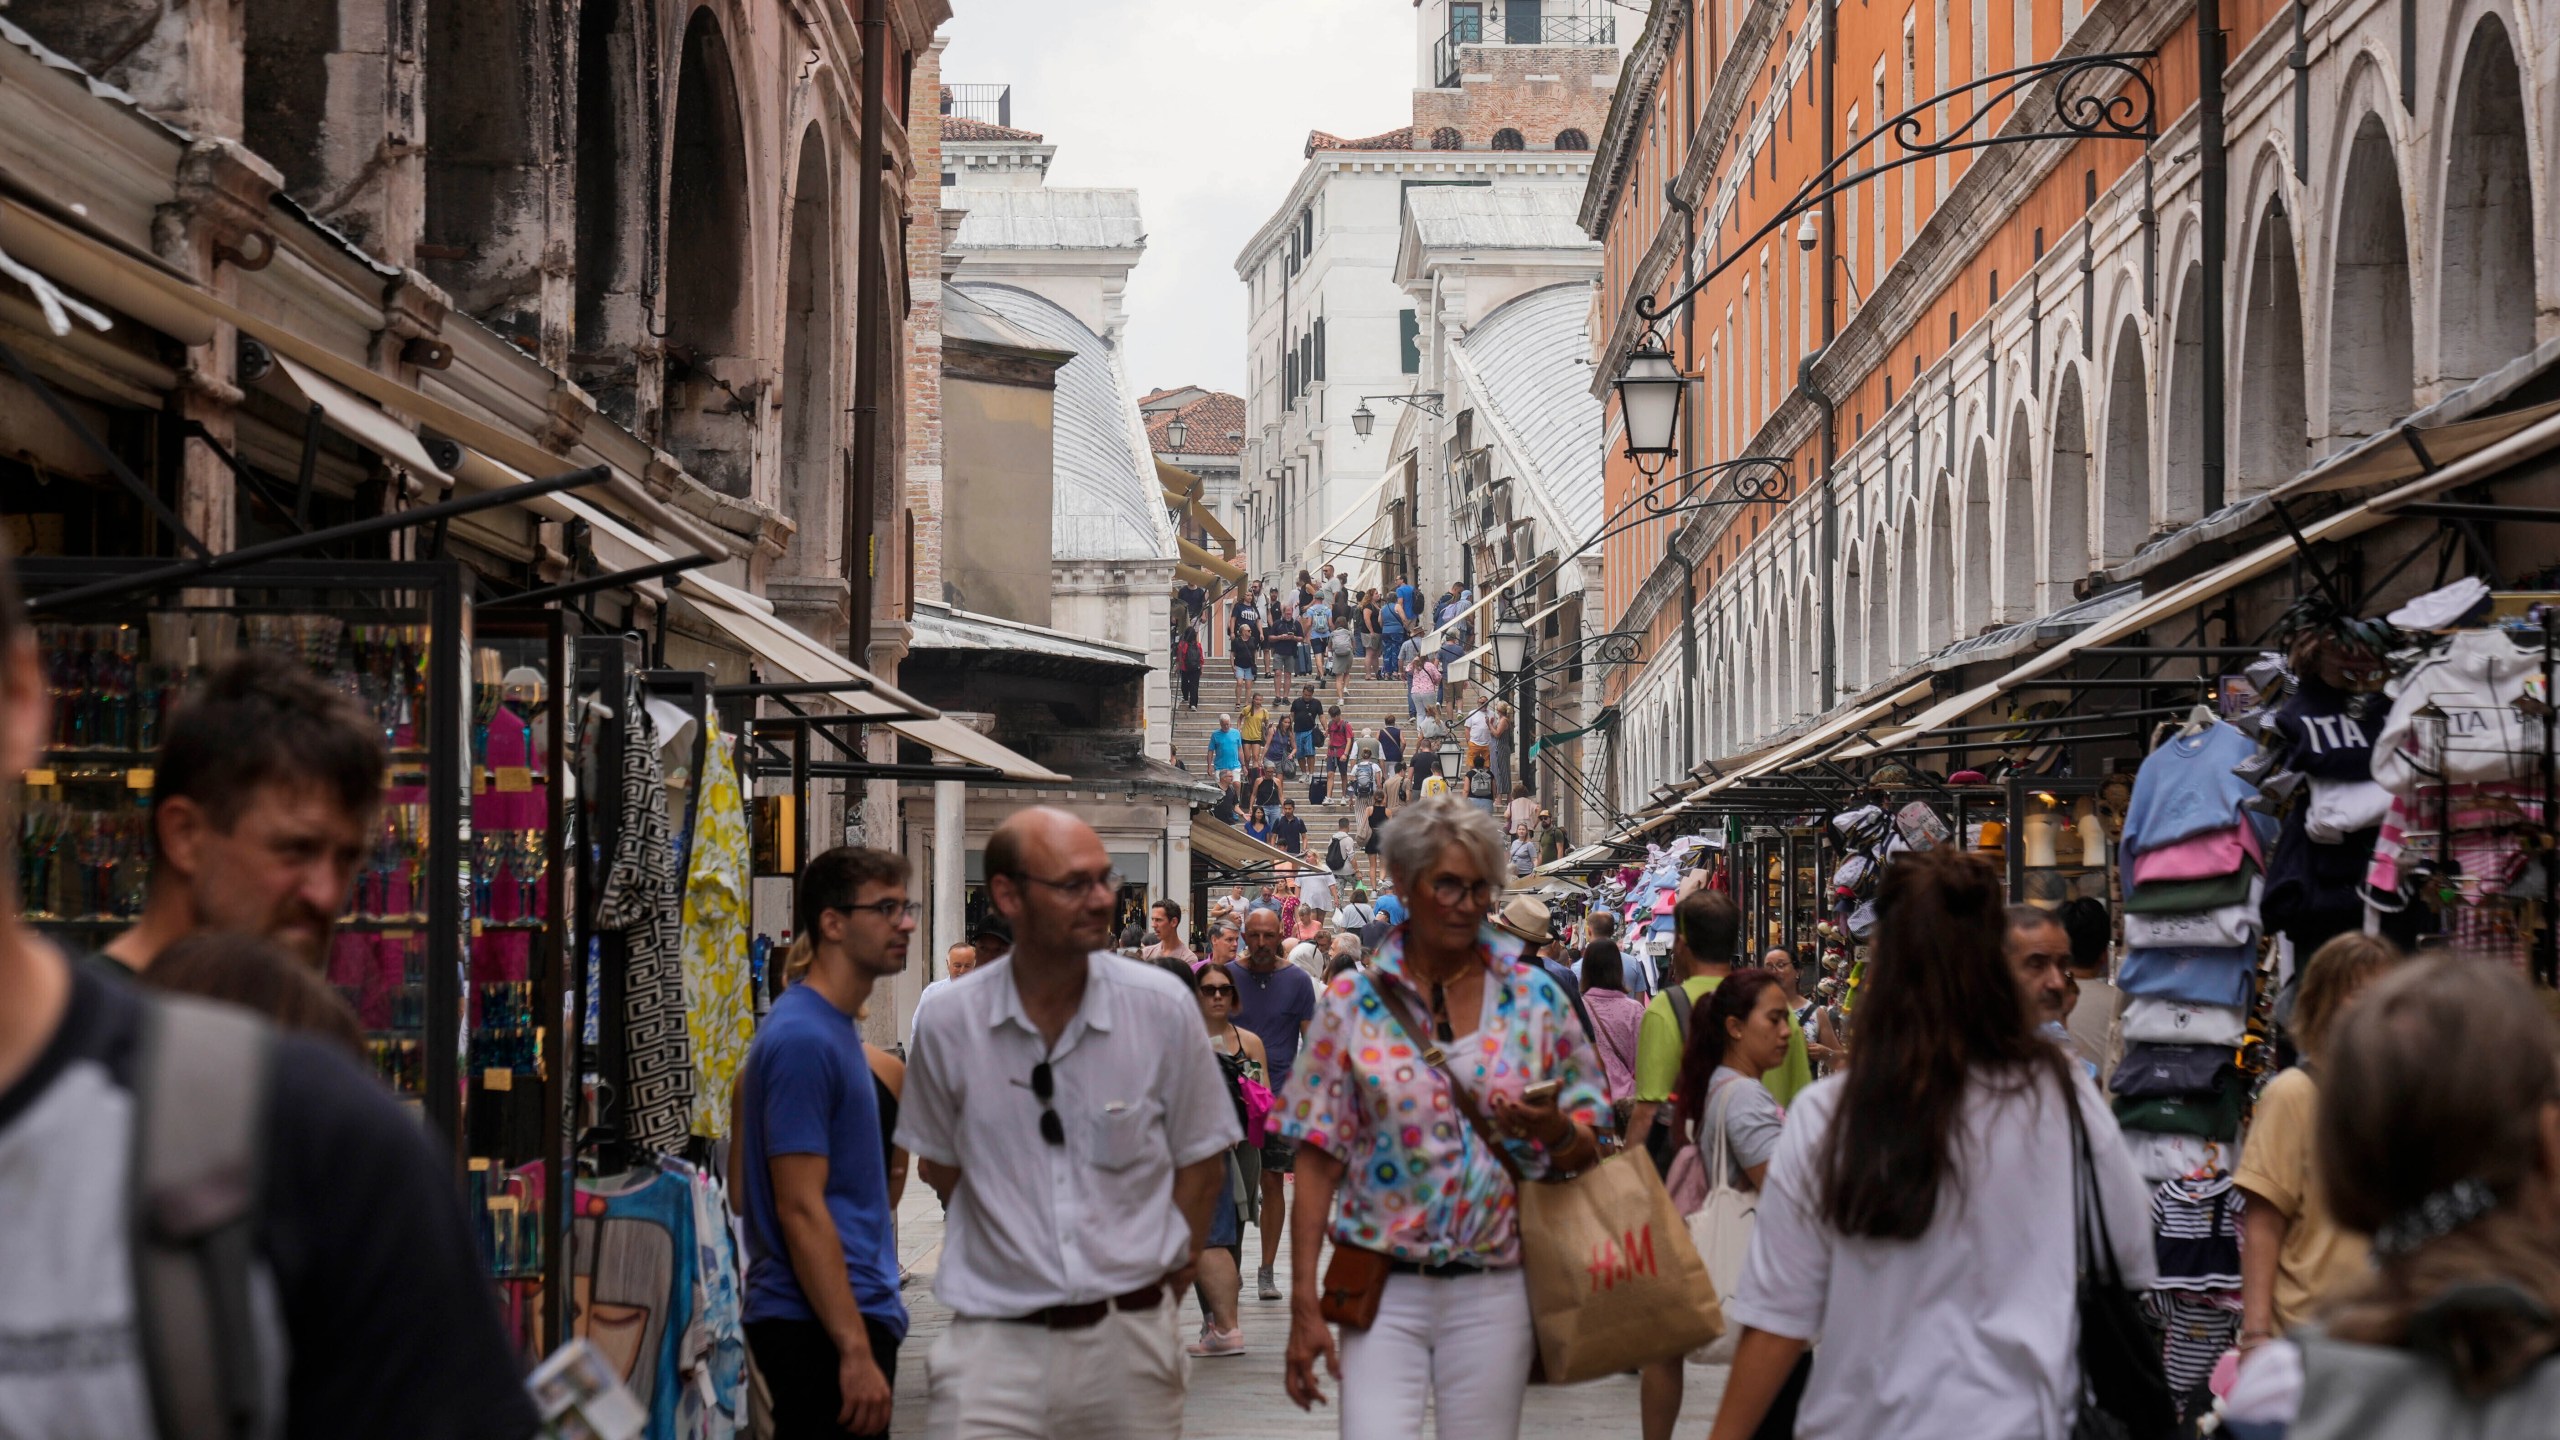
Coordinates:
1175 432
1450 756
1363 420
1510 645
1649 395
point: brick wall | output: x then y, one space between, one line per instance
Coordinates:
1539 91
924 326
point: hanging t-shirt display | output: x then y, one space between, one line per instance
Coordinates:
640 898
656 1291
719 992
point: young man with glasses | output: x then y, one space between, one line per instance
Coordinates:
1077 1093
823 1313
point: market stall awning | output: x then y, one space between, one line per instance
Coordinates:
2540 436
1200 559
1234 851
2409 451
1470 656
796 656
1365 501
362 421
1182 489
1535 568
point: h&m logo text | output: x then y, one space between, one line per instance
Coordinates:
1614 1262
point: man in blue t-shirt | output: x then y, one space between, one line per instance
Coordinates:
1226 752
1275 1000
823 1314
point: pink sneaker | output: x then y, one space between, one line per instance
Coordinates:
1215 1343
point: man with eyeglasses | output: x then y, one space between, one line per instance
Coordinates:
1275 1000
822 1313
1076 1094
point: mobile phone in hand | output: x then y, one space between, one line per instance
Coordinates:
1542 1093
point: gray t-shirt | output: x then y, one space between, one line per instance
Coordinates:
1752 1121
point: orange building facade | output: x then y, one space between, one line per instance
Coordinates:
1985 373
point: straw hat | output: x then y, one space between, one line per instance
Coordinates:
1528 919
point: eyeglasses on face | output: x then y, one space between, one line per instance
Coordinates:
892 911
1108 882
1454 892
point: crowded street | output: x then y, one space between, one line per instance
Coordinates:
988 719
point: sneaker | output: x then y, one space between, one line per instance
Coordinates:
1269 1287
1215 1343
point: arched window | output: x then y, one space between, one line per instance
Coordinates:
1572 140
1507 138
1448 138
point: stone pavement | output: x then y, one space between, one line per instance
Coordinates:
1241 1398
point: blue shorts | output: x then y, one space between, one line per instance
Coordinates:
1306 744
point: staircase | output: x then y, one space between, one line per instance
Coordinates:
1366 704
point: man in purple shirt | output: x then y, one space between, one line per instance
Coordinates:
1275 1000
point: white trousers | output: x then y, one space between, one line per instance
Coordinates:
1464 1342
1121 1378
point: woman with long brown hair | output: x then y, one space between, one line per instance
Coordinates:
2439 1135
1919 1219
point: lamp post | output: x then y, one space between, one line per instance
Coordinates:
1451 754
1511 666
1364 419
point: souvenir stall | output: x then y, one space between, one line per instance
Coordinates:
668 1006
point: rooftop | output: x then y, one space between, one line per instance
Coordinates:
1049 218
1213 424
1400 138
1529 361
962 128
1107 504
1498 217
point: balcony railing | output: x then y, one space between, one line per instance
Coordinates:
992 104
1522 22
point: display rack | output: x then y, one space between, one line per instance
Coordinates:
2033 802
122 641
521 1031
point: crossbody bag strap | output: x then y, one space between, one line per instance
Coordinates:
1719 1176
2089 1204
1400 1009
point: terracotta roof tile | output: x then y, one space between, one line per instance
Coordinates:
961 127
1212 425
1400 138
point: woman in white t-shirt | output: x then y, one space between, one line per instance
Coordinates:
1918 1222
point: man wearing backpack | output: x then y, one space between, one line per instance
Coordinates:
207 1218
1342 851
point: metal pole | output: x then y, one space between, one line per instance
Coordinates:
2214 179
1688 664
1830 262
871 362
294 545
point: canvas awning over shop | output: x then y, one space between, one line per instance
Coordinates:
1541 566
1363 503
1182 490
1529 623
1198 559
2536 438
363 421
2409 451
1233 851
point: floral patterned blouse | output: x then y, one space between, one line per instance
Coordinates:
1418 1182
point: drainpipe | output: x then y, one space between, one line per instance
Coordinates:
2214 179
1830 329
870 364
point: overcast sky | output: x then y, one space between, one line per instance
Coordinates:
1203 106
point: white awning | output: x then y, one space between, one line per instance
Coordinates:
1308 557
797 656
2541 436
363 421
1525 624
1530 571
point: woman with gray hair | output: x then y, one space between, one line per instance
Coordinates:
1429 1220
